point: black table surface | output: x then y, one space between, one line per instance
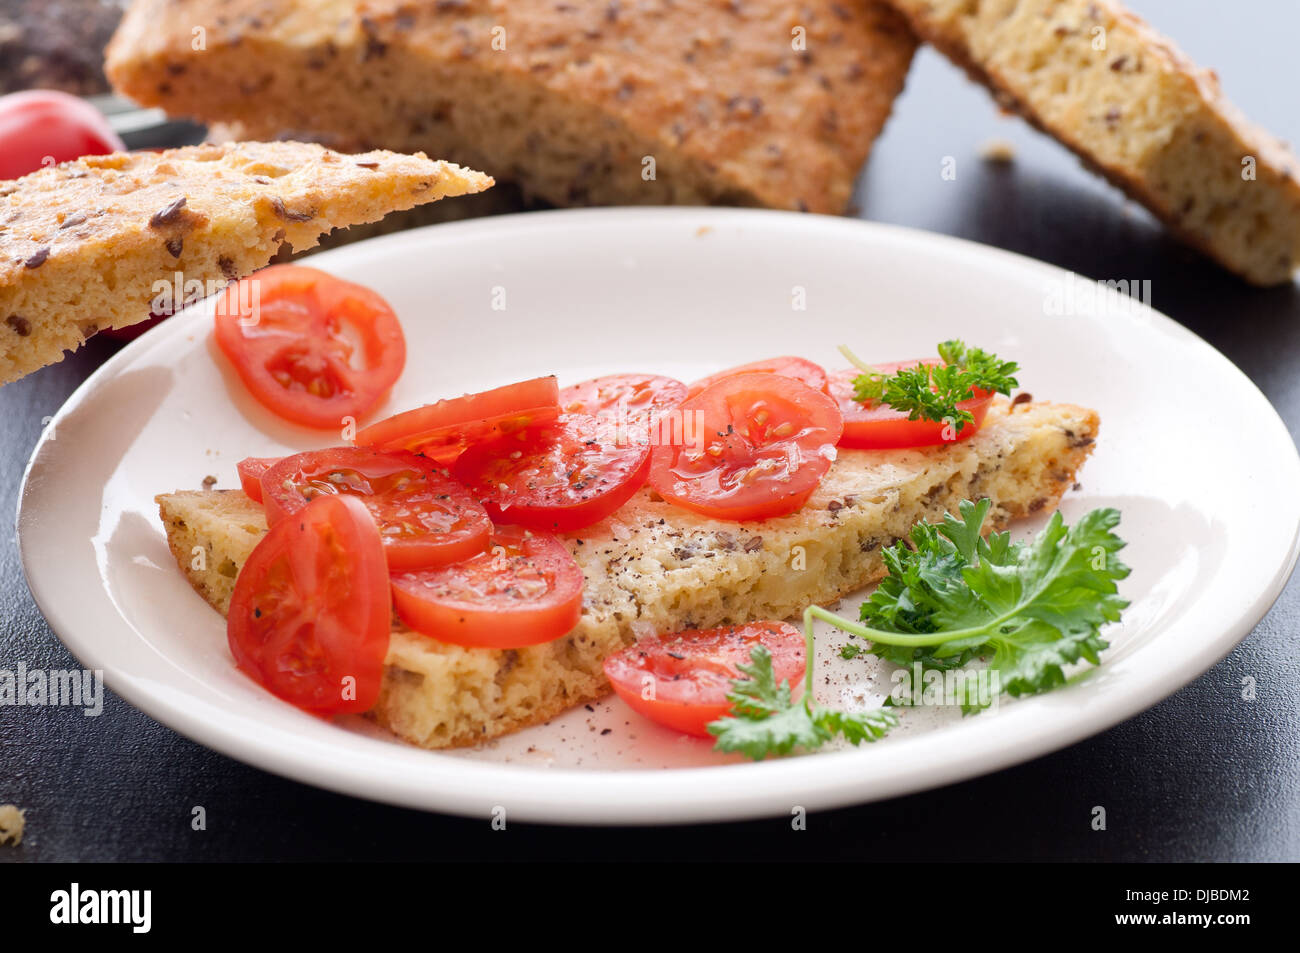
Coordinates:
1204 775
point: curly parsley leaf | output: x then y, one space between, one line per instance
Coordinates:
953 596
764 719
933 391
1033 609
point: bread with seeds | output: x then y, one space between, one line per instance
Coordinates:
590 102
1133 107
653 567
84 245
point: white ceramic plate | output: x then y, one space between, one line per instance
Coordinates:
1207 490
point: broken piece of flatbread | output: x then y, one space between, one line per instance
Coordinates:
84 245
1133 107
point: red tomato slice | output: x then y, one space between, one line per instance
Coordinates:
441 431
425 518
311 612
636 399
250 471
44 127
311 348
525 590
770 440
881 427
557 477
805 372
681 681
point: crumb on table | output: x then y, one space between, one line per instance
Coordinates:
11 824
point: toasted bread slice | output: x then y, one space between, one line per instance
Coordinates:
587 103
84 245
1137 110
655 568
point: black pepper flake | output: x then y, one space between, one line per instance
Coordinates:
835 506
277 204
175 246
168 215
38 259
21 326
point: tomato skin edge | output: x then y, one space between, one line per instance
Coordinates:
383 345
481 624
369 602
815 407
692 671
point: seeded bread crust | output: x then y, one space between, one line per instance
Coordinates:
83 244
759 102
1139 112
654 568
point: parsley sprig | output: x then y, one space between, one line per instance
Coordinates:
933 391
1031 608
765 720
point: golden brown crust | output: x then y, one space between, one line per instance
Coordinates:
88 244
1138 112
758 102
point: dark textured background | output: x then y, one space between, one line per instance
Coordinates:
1202 776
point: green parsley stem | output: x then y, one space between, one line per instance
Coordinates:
810 654
896 638
858 362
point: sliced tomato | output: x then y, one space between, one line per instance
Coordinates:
806 372
425 517
311 348
881 427
635 399
681 681
769 440
559 476
250 471
442 430
311 612
525 590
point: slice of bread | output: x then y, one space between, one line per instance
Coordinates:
593 102
654 568
84 245
1137 110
